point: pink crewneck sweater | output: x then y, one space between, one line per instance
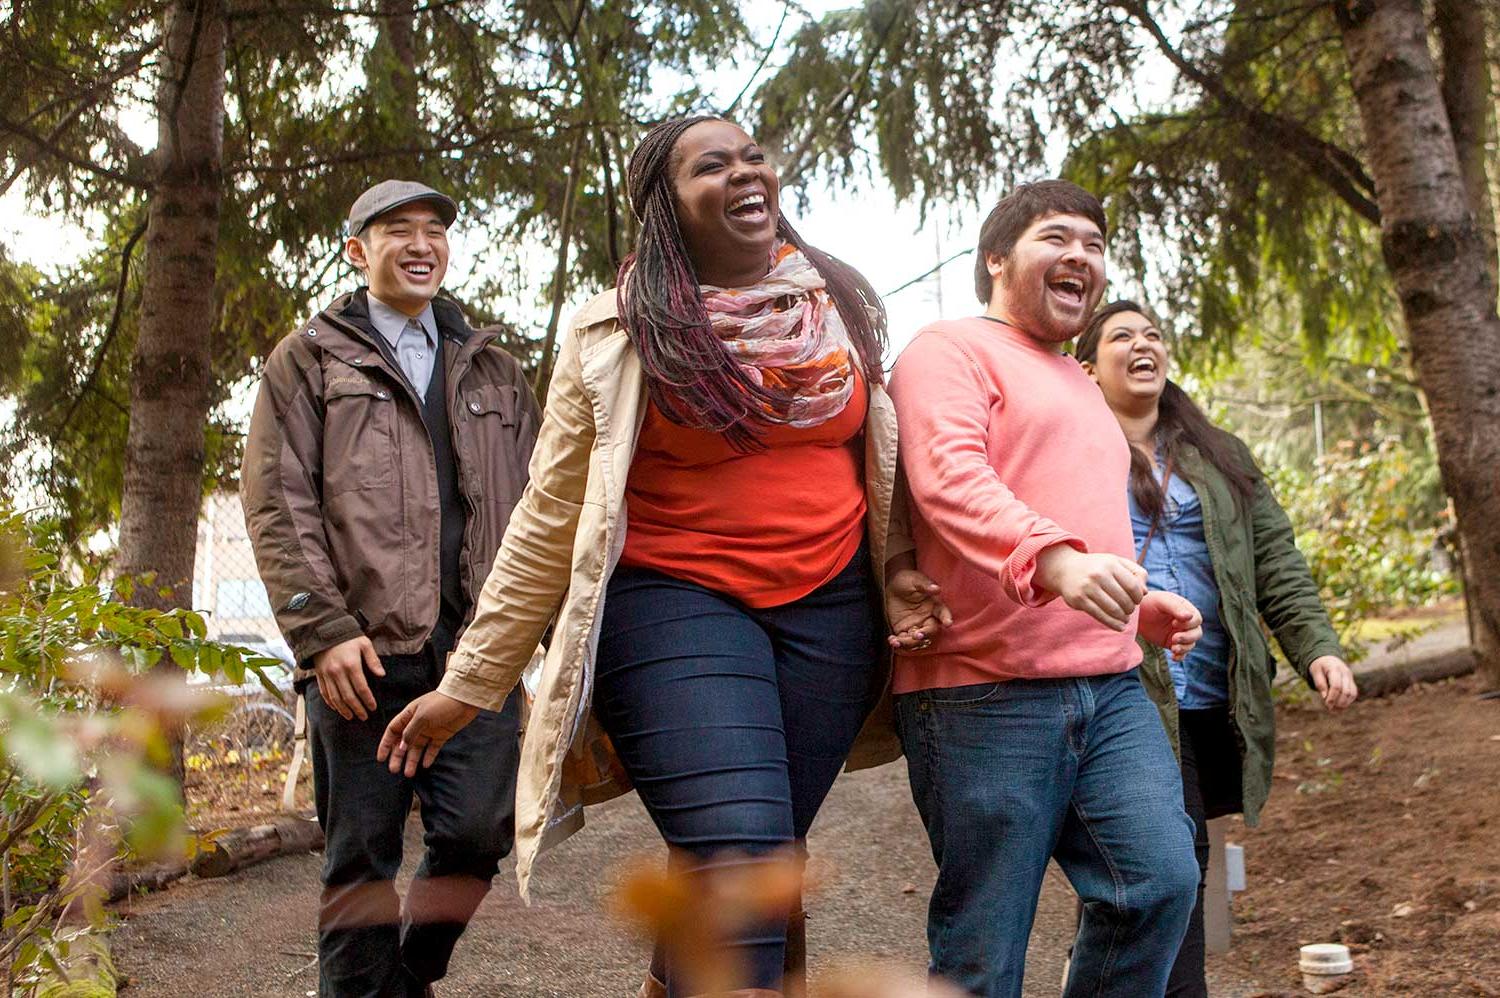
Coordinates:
1008 448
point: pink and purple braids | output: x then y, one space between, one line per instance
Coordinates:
691 377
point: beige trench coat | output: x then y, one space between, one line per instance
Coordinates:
563 542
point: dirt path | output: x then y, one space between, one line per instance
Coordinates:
252 934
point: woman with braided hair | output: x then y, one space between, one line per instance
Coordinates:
709 521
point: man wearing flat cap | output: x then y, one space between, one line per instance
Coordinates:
388 446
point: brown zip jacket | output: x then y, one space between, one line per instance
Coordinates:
339 481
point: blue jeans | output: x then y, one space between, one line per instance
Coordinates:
733 722
1008 775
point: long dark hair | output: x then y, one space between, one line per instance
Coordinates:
690 375
1179 423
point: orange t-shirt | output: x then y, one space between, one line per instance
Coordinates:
766 527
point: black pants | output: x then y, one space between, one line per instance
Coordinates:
370 943
1211 788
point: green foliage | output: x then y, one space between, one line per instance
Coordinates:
1236 189
481 100
83 724
1368 519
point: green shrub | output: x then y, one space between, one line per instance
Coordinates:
1368 518
85 741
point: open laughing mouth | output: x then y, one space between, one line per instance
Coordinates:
417 269
748 207
1070 289
1142 367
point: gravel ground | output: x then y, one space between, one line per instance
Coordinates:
252 934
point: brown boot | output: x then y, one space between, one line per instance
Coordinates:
652 988
794 968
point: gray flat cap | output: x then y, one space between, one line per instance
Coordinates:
390 194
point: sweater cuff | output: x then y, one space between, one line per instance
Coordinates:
465 679
1020 567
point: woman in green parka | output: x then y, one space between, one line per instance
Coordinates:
1208 528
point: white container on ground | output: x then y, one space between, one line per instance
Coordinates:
1325 967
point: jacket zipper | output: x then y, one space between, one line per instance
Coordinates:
461 365
381 365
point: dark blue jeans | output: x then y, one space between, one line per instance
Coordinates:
371 944
733 722
1011 774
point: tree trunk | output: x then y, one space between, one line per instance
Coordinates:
399 31
170 369
1437 256
1466 96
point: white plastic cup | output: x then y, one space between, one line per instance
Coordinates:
1325 967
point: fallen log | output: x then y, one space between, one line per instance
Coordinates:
1387 679
151 878
243 847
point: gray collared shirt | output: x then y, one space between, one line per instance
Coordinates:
413 339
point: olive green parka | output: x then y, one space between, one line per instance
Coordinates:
1261 576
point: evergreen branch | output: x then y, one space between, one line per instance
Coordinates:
365 156
49 145
130 64
109 334
797 162
1336 167
86 98
282 10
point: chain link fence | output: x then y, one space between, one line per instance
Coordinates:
241 756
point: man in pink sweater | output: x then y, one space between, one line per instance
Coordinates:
1028 735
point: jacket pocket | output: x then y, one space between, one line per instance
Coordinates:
359 439
492 401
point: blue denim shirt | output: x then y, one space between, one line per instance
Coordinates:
1178 562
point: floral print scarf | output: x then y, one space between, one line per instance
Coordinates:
786 334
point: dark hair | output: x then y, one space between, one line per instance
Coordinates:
1015 213
690 376
1179 423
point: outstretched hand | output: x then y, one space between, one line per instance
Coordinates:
414 736
914 608
1171 622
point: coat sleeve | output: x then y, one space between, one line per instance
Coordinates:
533 566
281 490
898 539
1285 593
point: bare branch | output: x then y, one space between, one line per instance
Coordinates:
786 10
